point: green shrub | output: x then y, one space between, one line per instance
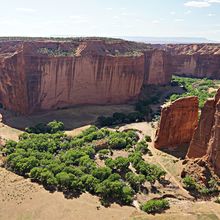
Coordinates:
55 126
103 154
155 206
119 164
217 200
135 180
148 138
142 147
51 127
190 183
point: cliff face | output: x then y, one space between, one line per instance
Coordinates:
201 136
49 75
198 60
177 123
61 82
38 75
206 139
157 67
13 82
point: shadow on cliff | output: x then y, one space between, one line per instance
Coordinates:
179 151
72 118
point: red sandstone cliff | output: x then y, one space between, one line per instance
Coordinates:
206 139
44 75
48 74
196 60
177 123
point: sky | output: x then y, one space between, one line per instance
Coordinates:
111 18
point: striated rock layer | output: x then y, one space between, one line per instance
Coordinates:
206 139
42 74
177 123
196 60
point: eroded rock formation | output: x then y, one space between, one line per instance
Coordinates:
177 123
43 74
206 139
196 60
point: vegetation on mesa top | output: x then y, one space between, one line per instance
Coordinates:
69 163
202 88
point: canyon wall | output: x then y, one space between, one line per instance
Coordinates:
206 139
196 60
177 123
49 74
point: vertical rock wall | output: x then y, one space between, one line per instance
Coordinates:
177 123
206 139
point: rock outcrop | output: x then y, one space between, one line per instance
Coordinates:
206 139
177 123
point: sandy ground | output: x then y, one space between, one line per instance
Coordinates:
72 118
21 199
7 132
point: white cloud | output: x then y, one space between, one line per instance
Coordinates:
201 3
197 4
155 21
25 9
172 12
211 15
116 17
213 1
109 9
179 20
78 19
188 12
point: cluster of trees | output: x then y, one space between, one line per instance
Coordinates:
120 118
197 189
143 106
51 127
150 171
194 87
68 164
155 206
56 52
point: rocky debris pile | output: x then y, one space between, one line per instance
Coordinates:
199 169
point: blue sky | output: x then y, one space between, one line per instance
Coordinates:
159 18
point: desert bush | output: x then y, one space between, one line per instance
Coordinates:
147 138
155 206
135 180
103 154
190 183
119 164
51 127
116 190
142 147
217 200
